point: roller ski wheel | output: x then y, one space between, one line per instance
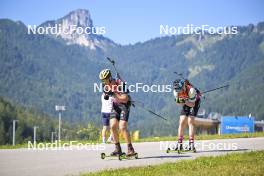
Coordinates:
103 155
131 156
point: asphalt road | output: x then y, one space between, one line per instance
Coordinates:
73 161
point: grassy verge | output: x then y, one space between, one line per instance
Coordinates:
249 163
48 144
157 139
13 147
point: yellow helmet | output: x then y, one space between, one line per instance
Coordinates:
104 74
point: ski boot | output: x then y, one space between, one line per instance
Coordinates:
191 146
179 147
130 150
118 151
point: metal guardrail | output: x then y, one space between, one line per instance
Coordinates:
259 123
206 122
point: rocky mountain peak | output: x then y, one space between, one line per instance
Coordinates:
77 28
79 17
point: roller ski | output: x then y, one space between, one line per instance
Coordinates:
120 156
104 155
131 154
180 148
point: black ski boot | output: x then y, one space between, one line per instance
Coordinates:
191 146
117 151
179 146
130 150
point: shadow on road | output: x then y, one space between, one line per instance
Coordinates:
221 150
164 156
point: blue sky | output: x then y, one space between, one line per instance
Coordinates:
134 21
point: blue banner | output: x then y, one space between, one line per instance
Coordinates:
235 124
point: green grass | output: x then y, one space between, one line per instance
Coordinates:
249 163
157 139
25 145
13 147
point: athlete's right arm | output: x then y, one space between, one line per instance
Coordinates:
177 99
192 98
123 98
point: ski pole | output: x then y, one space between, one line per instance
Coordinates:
148 110
113 63
211 90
